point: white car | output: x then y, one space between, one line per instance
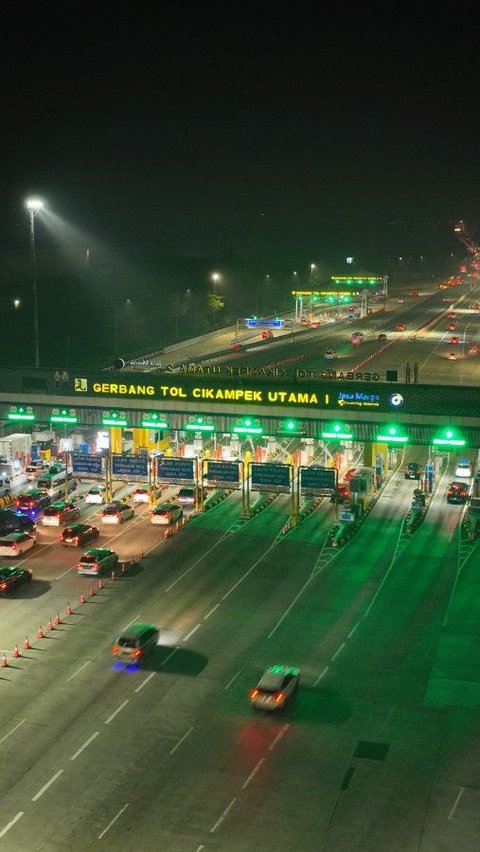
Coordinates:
16 543
167 513
95 495
275 687
463 468
141 495
117 514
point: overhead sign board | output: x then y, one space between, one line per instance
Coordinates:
130 467
253 322
86 464
176 471
317 481
224 474
271 477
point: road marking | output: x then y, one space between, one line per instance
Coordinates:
78 671
115 712
338 651
64 574
278 737
321 675
11 732
181 740
460 794
11 823
224 816
132 621
194 565
233 679
211 612
113 820
253 772
191 632
84 746
352 631
261 558
169 656
199 848
144 682
290 606
47 785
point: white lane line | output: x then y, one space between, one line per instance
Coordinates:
181 740
278 737
64 574
253 773
11 823
132 621
262 557
144 682
211 612
11 732
47 785
169 656
78 671
460 794
185 638
352 631
84 746
233 679
224 816
337 652
290 606
194 565
113 820
321 675
115 712
199 848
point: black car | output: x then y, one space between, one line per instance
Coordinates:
79 534
457 492
413 470
11 522
11 578
382 337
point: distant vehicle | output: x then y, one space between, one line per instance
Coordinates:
96 560
16 543
382 337
95 495
452 356
166 513
414 293
463 467
10 521
267 334
330 354
451 326
56 481
32 502
32 471
413 470
357 337
60 513
12 578
186 496
452 316
341 493
457 492
79 534
400 301
236 346
401 327
453 340
141 495
117 514
275 687
473 351
135 642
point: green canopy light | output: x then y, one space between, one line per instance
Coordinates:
152 420
114 418
339 431
392 436
64 415
20 413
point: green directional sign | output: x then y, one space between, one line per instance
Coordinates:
114 418
340 431
20 413
153 420
200 424
64 415
449 438
248 426
392 435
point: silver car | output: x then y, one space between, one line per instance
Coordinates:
275 687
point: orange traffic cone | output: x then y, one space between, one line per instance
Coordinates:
16 652
69 610
50 625
83 599
4 662
114 575
91 591
58 620
100 584
40 634
26 644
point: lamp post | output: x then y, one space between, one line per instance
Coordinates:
33 205
215 279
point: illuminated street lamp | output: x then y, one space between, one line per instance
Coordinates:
216 277
33 205
16 303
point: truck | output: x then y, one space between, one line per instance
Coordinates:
15 446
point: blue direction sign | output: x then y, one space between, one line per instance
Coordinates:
130 467
270 477
177 471
224 474
317 480
86 464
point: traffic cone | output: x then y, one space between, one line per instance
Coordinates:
114 577
100 584
68 610
83 599
50 625
143 555
58 620
91 592
16 652
4 662
26 644
40 634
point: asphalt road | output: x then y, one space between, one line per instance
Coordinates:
378 750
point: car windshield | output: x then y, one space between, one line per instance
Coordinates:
124 642
53 510
89 557
4 542
111 510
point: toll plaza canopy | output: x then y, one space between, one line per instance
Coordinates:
226 393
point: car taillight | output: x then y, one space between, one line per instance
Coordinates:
115 649
279 697
254 693
13 546
137 653
4 586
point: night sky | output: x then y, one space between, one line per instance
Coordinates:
202 129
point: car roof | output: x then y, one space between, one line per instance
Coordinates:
166 506
78 527
13 535
273 676
96 551
136 629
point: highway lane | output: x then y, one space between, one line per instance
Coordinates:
97 796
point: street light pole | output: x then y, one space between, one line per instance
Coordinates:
215 279
33 205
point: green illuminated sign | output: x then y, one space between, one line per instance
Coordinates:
291 427
20 413
155 421
114 418
392 436
339 431
63 415
449 440
247 426
200 424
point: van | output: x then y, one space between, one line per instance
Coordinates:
135 642
5 486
